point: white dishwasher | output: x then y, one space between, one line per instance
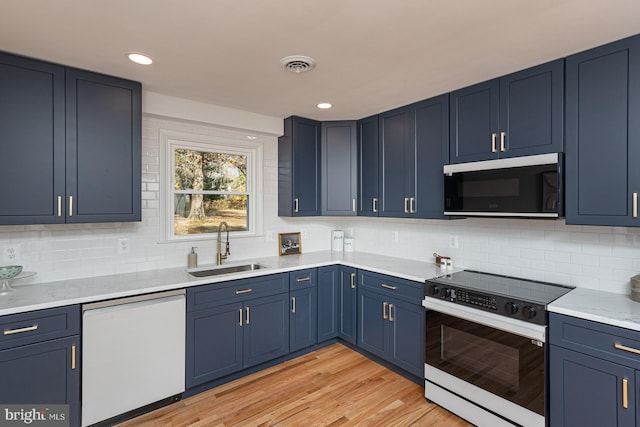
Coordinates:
133 353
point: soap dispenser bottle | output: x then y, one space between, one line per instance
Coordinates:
192 258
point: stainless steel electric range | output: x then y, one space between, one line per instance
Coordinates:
485 347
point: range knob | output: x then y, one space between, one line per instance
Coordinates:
434 290
529 312
511 307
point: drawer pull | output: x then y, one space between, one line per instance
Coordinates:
19 331
244 291
384 310
393 288
625 348
625 393
73 357
353 280
303 279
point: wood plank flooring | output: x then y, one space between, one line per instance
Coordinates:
333 386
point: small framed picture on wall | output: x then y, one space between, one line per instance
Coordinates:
289 243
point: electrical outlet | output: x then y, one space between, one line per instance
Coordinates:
11 253
123 246
270 236
453 242
394 236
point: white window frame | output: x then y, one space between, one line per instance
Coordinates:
218 141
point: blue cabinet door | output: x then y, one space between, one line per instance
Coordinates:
588 391
407 329
531 111
32 141
303 319
299 168
396 145
214 343
475 122
431 119
348 302
368 199
339 168
603 134
43 373
328 290
373 323
103 141
266 329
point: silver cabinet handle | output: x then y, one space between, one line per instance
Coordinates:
393 288
293 304
70 205
20 330
384 310
503 135
494 138
59 205
353 280
635 205
295 204
375 204
406 209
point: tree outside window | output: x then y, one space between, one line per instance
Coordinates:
209 187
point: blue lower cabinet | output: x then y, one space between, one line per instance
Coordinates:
244 331
45 373
303 319
392 329
214 343
588 391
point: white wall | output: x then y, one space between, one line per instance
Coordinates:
594 257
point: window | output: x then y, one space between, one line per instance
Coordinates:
209 180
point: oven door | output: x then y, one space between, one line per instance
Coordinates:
473 354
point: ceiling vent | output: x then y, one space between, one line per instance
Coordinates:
298 63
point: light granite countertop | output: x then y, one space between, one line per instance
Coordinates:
604 307
79 291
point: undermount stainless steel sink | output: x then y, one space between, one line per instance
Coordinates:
225 269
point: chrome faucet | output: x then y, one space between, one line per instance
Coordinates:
220 256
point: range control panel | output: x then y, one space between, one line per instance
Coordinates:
505 306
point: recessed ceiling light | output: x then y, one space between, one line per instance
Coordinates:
139 58
324 105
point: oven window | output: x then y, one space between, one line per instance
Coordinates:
499 362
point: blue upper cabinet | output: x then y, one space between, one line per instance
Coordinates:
103 148
368 199
519 114
413 146
603 135
339 168
31 139
79 137
299 168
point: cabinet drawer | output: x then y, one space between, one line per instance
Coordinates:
200 297
608 342
302 279
393 286
36 326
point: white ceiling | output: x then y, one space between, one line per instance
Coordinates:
372 55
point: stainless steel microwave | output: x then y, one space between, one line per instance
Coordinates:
528 186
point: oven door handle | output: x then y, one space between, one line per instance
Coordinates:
506 324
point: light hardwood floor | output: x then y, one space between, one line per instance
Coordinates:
333 386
